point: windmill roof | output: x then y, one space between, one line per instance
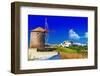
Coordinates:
39 29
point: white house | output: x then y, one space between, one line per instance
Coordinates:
66 44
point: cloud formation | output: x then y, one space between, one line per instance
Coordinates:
73 34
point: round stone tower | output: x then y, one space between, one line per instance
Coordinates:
37 39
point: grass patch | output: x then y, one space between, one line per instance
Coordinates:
66 50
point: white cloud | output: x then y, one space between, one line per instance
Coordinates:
73 34
86 35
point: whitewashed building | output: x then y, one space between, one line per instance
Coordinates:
66 44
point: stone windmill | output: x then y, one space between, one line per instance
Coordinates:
37 39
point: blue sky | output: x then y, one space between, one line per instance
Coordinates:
61 28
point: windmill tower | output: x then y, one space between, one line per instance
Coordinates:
37 39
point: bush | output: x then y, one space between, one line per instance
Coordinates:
78 48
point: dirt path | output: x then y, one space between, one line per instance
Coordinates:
71 55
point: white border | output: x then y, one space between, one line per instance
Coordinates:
25 64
